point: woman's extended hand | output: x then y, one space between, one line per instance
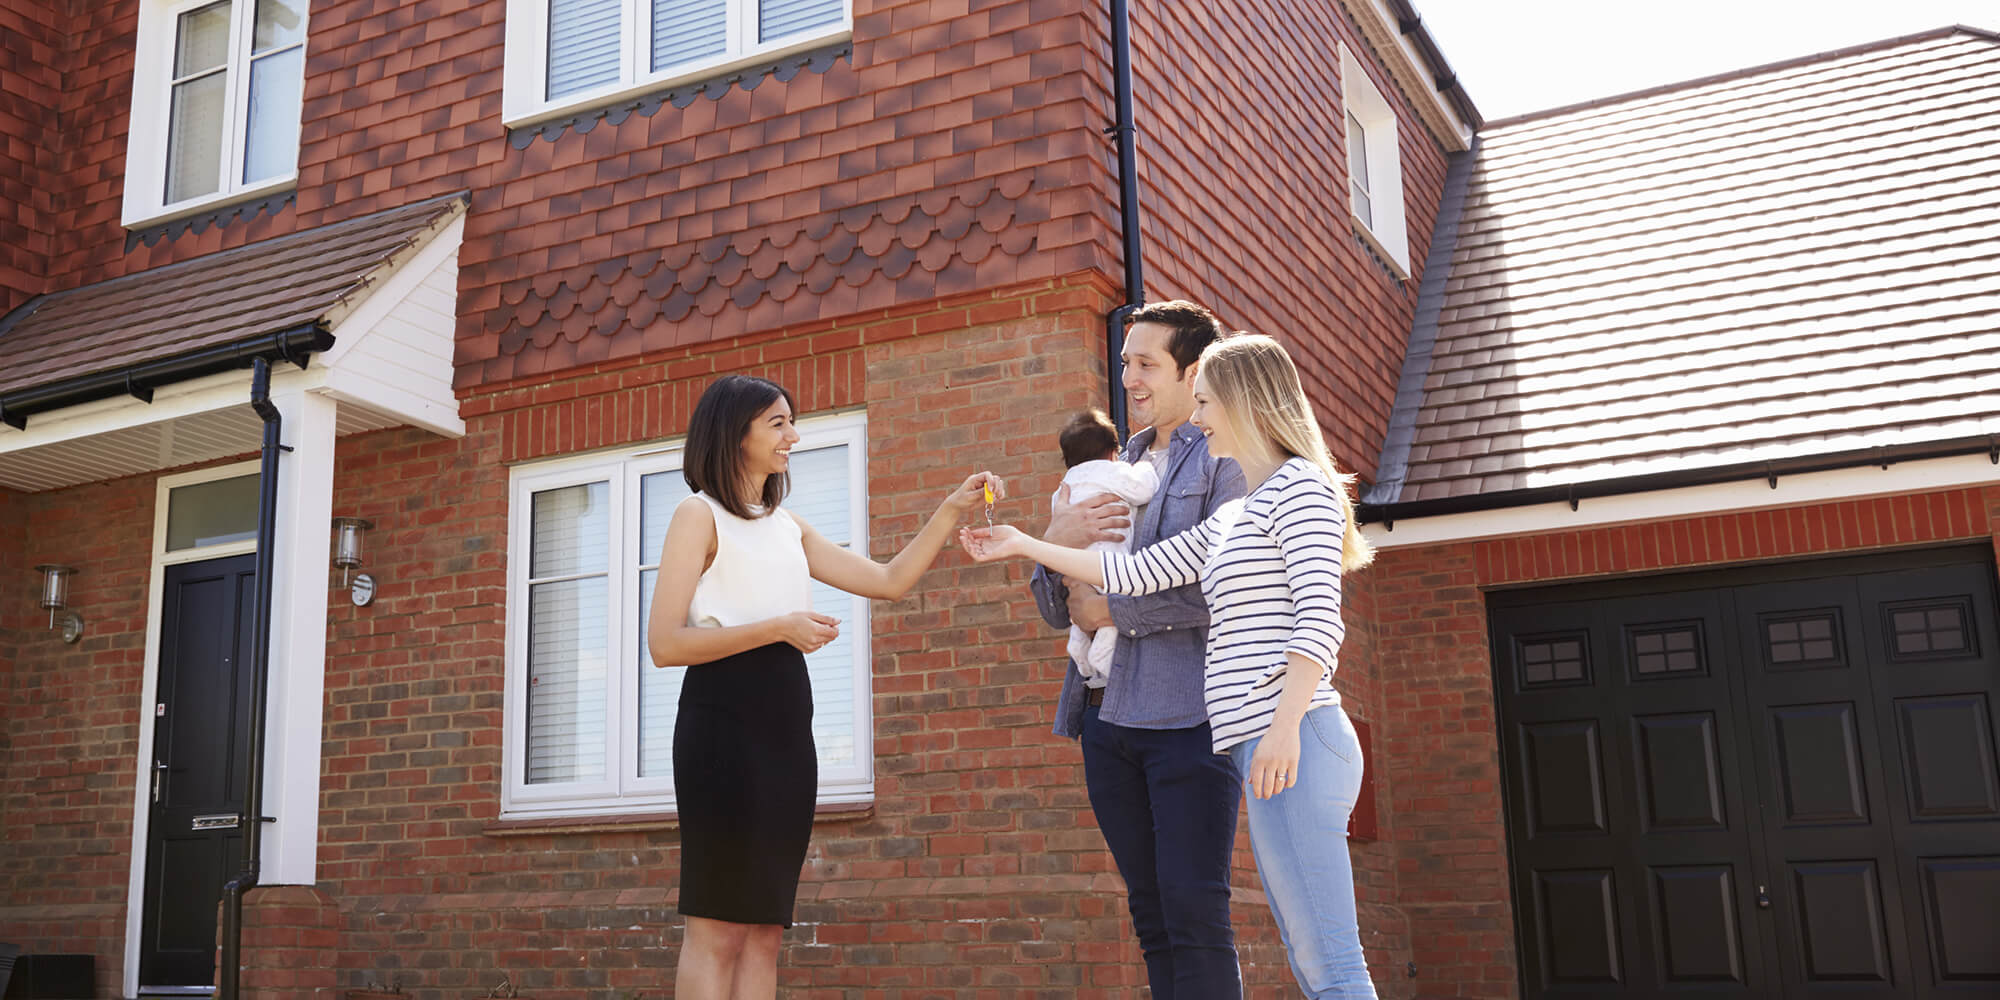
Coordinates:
1275 765
988 544
808 630
971 494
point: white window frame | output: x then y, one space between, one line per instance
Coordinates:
1388 231
624 791
152 113
524 99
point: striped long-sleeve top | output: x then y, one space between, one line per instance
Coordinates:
1269 565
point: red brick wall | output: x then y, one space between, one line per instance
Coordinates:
33 46
951 153
72 721
1243 170
1437 741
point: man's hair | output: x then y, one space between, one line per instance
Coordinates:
1193 328
1086 438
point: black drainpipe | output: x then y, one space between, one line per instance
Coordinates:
228 981
1127 135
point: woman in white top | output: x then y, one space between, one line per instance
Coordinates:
733 600
1270 566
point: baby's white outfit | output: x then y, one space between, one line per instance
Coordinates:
1134 483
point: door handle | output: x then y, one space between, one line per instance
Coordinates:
159 779
1763 898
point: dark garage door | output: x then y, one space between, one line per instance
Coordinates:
1774 782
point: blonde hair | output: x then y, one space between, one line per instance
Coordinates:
1257 387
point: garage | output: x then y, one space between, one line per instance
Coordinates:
1775 781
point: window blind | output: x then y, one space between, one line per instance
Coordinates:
778 18
687 30
568 623
584 40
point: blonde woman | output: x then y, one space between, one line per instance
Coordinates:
1270 567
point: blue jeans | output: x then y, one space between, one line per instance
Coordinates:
1166 802
1300 839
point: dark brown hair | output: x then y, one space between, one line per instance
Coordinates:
1193 328
1086 438
713 461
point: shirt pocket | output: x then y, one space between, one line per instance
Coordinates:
1185 500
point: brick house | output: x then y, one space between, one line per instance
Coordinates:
511 241
474 292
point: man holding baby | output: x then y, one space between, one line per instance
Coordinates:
1165 800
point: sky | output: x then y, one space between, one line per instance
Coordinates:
1517 56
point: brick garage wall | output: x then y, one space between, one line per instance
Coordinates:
1438 743
72 720
978 871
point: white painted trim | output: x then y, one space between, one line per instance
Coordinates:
525 59
622 469
1693 501
301 567
135 890
1407 65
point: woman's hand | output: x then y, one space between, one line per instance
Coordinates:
988 544
1275 765
971 494
808 630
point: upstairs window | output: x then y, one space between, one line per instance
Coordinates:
216 101
563 55
1374 166
1357 170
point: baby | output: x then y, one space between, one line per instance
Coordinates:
1090 450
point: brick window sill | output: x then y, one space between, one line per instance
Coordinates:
826 812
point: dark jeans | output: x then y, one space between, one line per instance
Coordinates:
1166 802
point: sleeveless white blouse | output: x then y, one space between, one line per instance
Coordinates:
759 571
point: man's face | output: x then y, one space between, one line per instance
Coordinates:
1158 392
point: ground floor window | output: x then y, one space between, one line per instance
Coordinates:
589 719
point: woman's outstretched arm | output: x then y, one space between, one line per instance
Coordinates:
1163 565
1004 540
857 574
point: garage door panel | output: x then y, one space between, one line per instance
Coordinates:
1843 935
1694 912
1579 925
1680 775
1962 909
1819 764
1948 756
1564 774
1775 781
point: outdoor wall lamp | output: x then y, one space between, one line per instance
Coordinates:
347 552
55 599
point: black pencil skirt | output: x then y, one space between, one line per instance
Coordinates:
746 777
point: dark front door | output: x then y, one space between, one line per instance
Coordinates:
200 739
1777 782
